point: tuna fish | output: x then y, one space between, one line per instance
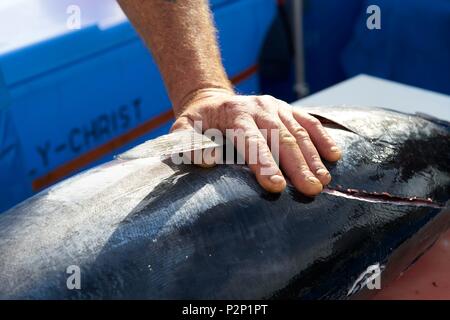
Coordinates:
143 227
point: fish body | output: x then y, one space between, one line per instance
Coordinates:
143 228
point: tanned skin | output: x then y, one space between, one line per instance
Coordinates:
182 38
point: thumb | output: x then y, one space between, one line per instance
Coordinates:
208 155
182 123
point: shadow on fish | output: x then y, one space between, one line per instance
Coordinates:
140 227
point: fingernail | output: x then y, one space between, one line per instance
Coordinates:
335 149
276 179
313 180
322 172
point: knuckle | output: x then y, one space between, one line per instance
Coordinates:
315 122
304 139
304 170
266 121
316 158
259 100
271 123
299 131
233 108
264 100
284 105
265 156
287 139
240 124
267 97
301 134
229 105
254 139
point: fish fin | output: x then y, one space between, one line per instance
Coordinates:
164 146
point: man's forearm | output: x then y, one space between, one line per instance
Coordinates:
182 38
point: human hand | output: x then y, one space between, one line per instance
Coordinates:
301 136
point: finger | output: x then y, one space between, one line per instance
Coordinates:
307 148
291 157
319 136
203 158
262 164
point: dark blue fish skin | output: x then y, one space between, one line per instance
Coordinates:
215 234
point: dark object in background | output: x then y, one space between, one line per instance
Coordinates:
142 228
412 46
328 26
276 61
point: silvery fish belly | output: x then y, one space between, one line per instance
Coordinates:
142 227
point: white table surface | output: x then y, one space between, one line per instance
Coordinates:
364 90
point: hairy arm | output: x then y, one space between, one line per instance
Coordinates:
182 39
